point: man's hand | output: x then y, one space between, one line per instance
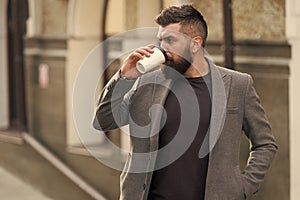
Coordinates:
128 68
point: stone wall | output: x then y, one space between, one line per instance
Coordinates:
252 20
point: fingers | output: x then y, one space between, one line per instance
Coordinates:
140 53
143 51
128 68
151 46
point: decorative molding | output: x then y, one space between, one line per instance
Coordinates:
12 137
46 47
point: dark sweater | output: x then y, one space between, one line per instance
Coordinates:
185 177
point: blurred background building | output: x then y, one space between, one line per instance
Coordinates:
44 42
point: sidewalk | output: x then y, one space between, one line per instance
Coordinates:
12 188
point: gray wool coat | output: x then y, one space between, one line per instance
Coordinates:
236 109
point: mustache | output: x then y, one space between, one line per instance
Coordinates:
169 58
186 56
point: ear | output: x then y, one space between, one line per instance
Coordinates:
196 44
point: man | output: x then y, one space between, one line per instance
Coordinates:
186 120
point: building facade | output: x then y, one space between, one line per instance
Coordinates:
46 148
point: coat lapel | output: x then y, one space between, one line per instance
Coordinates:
163 86
219 96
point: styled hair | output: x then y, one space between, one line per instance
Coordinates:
191 20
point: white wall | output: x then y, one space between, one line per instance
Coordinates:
293 36
4 118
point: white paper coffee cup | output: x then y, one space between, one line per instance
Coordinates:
148 63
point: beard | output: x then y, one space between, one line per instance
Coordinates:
180 65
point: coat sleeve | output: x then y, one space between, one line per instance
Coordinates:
112 109
263 145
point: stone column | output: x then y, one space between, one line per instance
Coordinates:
292 32
84 34
3 66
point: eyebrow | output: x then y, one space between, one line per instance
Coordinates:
165 36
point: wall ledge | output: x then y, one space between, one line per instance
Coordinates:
11 136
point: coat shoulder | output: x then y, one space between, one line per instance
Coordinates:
240 81
236 76
226 71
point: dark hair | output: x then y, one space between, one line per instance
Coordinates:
191 20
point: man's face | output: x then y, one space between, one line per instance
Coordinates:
177 47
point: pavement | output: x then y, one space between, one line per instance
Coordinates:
13 188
